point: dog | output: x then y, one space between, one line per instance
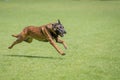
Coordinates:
45 33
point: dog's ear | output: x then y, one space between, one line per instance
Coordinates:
53 27
59 21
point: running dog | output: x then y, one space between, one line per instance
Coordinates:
45 33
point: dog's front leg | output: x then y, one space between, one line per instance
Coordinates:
49 38
55 46
62 42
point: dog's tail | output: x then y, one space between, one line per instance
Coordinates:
14 36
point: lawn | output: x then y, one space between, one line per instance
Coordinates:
93 30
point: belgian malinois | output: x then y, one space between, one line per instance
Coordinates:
46 33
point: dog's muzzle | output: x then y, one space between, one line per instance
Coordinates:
64 32
61 32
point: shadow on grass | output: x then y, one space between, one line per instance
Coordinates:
30 56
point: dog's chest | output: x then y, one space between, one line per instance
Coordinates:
54 36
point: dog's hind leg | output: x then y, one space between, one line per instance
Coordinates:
19 40
20 37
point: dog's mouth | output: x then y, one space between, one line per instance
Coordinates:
61 33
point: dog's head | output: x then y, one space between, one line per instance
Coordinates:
59 28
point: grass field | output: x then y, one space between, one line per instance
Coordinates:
93 39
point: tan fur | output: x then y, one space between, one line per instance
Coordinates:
41 33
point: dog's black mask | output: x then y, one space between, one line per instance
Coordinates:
59 28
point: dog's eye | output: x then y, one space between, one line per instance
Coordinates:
61 27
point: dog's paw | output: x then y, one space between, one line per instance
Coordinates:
65 47
9 47
63 54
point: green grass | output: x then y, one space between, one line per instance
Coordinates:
93 38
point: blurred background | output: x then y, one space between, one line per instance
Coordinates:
93 29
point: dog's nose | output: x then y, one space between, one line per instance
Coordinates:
65 32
